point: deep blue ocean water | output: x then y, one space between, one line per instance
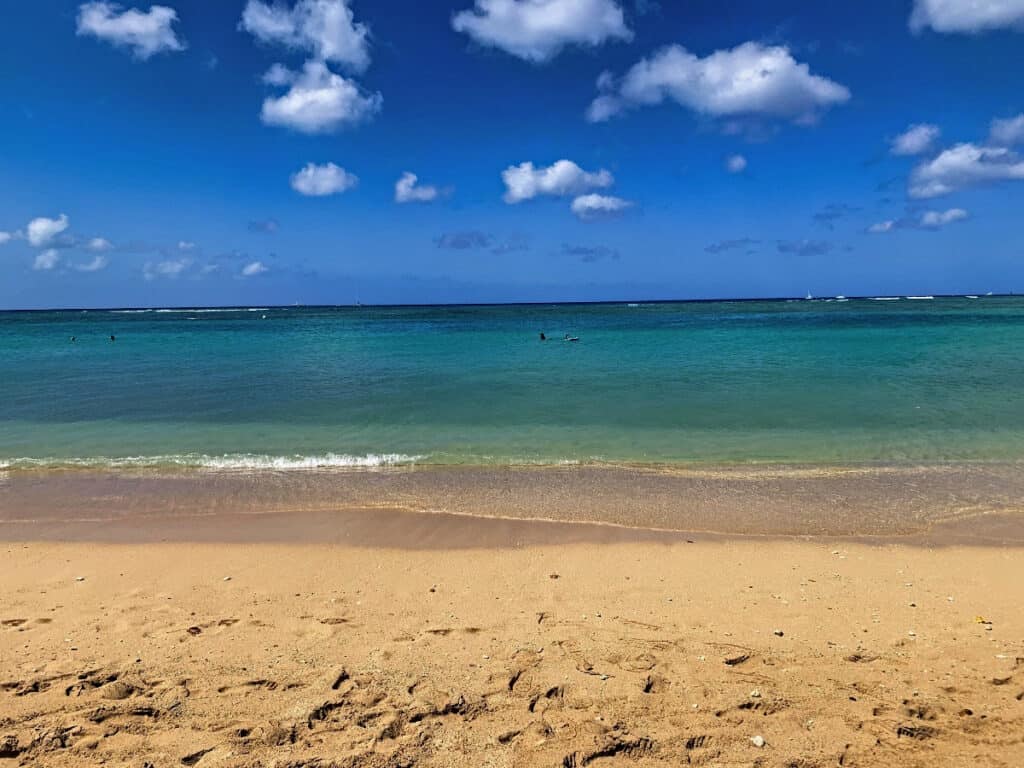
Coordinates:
804 381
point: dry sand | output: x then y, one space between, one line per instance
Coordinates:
566 655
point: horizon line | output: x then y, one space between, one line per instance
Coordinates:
605 302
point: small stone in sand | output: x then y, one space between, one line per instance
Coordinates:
755 694
226 578
757 741
79 578
553 576
778 633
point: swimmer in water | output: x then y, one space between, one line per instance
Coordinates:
543 337
113 337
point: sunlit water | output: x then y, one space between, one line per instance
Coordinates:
806 381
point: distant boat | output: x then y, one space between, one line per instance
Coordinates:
970 297
920 298
841 298
809 297
989 293
885 298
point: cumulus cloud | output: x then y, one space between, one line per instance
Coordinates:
46 260
317 99
4 237
322 180
1007 132
750 80
524 181
593 206
938 219
407 190
916 140
964 165
41 231
99 244
537 30
98 262
171 268
804 247
736 164
966 16
925 220
145 33
325 28
253 268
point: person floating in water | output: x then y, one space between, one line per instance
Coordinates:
113 337
543 337
571 338
72 338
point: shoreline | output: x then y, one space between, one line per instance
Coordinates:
463 507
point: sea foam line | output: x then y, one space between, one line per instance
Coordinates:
239 461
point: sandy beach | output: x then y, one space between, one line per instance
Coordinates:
547 644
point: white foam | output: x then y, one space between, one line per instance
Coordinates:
920 298
238 461
885 298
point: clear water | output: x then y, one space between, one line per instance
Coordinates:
818 382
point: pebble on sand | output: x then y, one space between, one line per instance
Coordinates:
778 633
757 741
79 578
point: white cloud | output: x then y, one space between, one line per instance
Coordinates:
171 268
748 80
317 100
916 140
146 33
408 191
325 28
736 164
98 245
253 268
322 180
186 245
970 16
42 230
98 262
523 181
964 165
536 30
4 237
46 260
1008 131
591 206
882 227
937 219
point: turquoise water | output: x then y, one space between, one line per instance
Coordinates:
806 381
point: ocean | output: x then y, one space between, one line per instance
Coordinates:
809 382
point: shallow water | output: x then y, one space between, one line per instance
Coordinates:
809 382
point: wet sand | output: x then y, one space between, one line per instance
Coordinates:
962 503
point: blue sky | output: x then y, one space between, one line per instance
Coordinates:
247 152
